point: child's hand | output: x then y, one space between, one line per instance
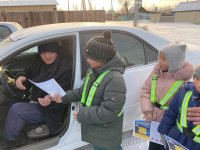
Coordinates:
57 98
148 116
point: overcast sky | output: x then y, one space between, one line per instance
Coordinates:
106 4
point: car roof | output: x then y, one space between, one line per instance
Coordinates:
60 28
13 26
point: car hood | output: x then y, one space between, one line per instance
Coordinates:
193 54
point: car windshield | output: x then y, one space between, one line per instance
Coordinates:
5 43
4 32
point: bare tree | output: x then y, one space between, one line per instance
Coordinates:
125 5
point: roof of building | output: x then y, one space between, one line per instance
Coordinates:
28 3
141 10
188 6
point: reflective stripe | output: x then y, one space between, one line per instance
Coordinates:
121 112
196 130
183 118
165 107
94 88
153 89
184 107
179 126
172 91
83 98
197 139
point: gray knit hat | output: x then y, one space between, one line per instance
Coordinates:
175 54
101 48
197 71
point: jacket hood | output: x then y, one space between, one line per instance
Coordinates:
190 86
117 63
175 54
185 73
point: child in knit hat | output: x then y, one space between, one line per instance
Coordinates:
101 114
175 123
162 84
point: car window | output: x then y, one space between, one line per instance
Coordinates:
132 49
129 47
30 50
151 54
4 32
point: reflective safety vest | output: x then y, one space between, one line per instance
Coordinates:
170 93
88 100
183 118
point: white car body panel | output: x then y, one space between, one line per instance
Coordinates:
134 76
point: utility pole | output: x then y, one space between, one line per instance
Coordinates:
136 12
112 10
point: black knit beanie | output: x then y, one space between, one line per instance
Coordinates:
49 47
101 48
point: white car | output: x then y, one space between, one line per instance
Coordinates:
139 48
6 28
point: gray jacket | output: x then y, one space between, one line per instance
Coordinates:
100 124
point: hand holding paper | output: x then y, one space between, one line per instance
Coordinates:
45 101
57 98
51 87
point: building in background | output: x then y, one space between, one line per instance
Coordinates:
188 12
27 6
143 13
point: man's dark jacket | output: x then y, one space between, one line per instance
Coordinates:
40 72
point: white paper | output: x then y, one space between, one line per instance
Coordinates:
51 87
154 134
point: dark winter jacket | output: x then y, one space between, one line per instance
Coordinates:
100 124
40 72
168 123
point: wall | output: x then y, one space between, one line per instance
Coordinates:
192 16
28 19
28 8
155 17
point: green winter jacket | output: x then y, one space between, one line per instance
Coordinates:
100 124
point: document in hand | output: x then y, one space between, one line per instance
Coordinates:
141 129
51 87
154 134
147 131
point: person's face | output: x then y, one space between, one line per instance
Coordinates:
48 57
197 83
94 64
164 65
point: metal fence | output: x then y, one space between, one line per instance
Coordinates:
28 19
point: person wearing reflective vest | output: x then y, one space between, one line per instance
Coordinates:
102 95
171 72
175 123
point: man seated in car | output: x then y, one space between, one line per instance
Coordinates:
49 64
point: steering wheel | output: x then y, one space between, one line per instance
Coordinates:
8 83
